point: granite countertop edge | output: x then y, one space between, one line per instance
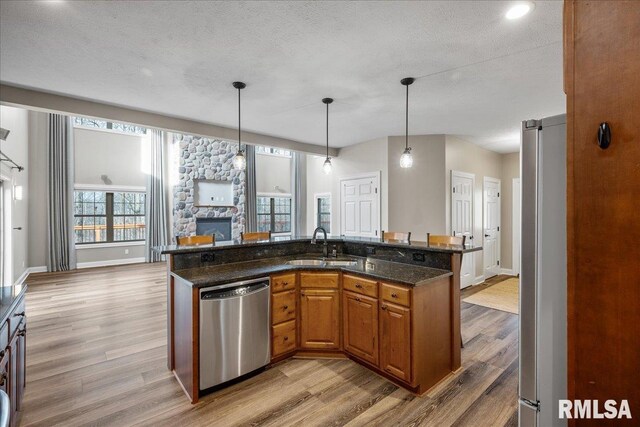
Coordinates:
174 249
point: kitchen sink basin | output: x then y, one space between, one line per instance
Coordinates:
316 262
340 263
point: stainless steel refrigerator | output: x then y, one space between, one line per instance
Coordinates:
543 273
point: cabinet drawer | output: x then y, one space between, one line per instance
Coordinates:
283 282
319 280
283 306
283 338
360 286
395 294
16 318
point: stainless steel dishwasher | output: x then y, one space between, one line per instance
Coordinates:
234 330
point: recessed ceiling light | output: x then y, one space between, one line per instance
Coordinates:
519 10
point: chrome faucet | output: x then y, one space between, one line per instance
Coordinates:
325 246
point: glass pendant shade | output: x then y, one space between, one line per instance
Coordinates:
406 159
240 161
326 167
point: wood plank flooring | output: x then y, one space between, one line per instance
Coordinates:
96 356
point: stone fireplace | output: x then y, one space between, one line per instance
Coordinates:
212 159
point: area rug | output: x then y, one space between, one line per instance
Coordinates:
501 296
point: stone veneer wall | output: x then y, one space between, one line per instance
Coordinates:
203 158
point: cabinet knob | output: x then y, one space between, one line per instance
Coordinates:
285 283
357 299
394 295
1 354
384 307
21 314
22 333
286 338
285 307
302 293
358 285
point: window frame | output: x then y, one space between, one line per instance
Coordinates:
316 213
110 215
109 128
272 214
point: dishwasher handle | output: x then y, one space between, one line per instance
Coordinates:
239 291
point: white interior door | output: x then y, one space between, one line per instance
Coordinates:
462 185
515 229
360 206
491 217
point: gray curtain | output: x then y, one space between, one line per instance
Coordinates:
156 197
251 217
299 180
60 235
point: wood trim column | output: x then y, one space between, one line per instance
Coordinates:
456 335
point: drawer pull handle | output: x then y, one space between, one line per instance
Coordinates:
21 314
384 307
286 338
1 354
358 285
285 283
285 307
22 333
394 295
357 299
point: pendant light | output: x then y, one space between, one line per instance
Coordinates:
406 159
326 167
239 161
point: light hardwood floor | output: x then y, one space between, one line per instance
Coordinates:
96 356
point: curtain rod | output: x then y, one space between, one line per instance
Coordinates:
5 158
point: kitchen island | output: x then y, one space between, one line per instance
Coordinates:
392 307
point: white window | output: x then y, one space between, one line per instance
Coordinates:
86 122
273 151
322 211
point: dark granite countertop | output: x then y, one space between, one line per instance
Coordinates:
406 274
174 249
9 296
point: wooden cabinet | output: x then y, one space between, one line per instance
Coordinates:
319 280
283 314
360 326
319 319
395 294
360 285
13 330
395 340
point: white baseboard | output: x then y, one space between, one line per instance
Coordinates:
507 271
479 279
110 262
39 269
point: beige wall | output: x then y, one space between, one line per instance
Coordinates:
510 170
464 156
417 194
117 155
272 172
37 189
369 156
17 148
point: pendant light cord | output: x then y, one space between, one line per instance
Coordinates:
406 133
239 131
327 130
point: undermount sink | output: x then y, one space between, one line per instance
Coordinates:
322 263
340 263
318 262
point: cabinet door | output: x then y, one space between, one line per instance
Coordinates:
319 319
19 361
360 320
395 340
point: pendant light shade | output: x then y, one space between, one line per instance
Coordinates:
406 159
239 161
327 166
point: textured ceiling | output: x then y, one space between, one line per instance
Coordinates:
478 74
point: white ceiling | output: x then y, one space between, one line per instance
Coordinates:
479 75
